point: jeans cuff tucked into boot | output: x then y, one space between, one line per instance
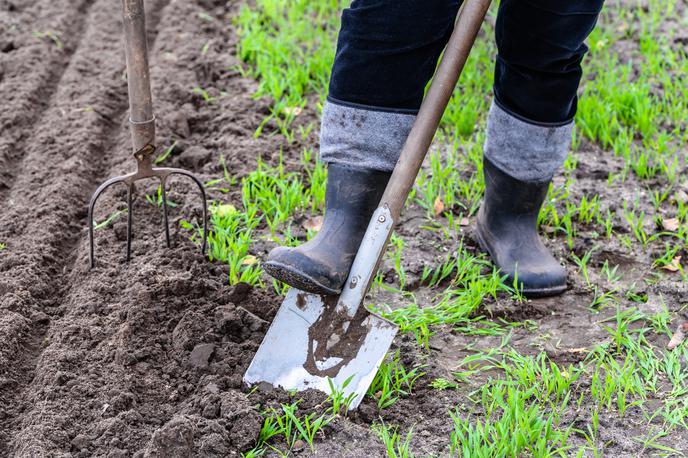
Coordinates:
526 151
363 137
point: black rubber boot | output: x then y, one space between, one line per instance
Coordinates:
507 230
322 264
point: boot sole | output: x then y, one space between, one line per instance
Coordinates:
297 279
528 292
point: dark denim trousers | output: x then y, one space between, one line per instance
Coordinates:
388 49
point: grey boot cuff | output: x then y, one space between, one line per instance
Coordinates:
361 137
527 152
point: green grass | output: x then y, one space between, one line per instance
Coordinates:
290 47
270 197
393 381
287 426
632 111
283 426
456 303
114 216
510 425
396 444
52 36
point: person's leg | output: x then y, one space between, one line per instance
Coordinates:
537 72
387 51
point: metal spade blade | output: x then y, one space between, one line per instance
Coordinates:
302 348
315 337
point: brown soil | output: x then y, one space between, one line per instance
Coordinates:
127 358
145 358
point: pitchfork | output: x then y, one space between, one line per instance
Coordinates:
142 127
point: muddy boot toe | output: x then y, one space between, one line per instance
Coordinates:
322 265
296 268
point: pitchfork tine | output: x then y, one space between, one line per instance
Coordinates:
163 179
130 217
91 210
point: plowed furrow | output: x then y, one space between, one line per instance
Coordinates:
39 43
44 209
114 351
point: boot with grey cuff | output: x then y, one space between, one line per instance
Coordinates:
520 160
507 230
322 264
361 146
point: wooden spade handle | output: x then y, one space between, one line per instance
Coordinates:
418 142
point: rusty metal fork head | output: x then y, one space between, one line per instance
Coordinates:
144 159
142 126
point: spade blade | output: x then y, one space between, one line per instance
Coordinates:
312 339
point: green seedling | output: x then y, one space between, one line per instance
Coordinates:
591 436
253 453
205 95
286 424
397 249
396 446
583 262
271 197
588 210
280 288
651 441
112 217
269 430
516 288
224 184
659 321
666 260
453 305
432 277
54 37
474 364
206 47
611 273
393 381
636 221
289 47
156 200
441 384
510 426
163 157
608 224
205 16
305 427
340 402
545 380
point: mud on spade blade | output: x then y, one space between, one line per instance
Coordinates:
297 352
314 338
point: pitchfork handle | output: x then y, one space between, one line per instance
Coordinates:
418 142
141 118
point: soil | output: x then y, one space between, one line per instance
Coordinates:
145 358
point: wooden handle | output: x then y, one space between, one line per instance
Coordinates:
418 142
142 121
